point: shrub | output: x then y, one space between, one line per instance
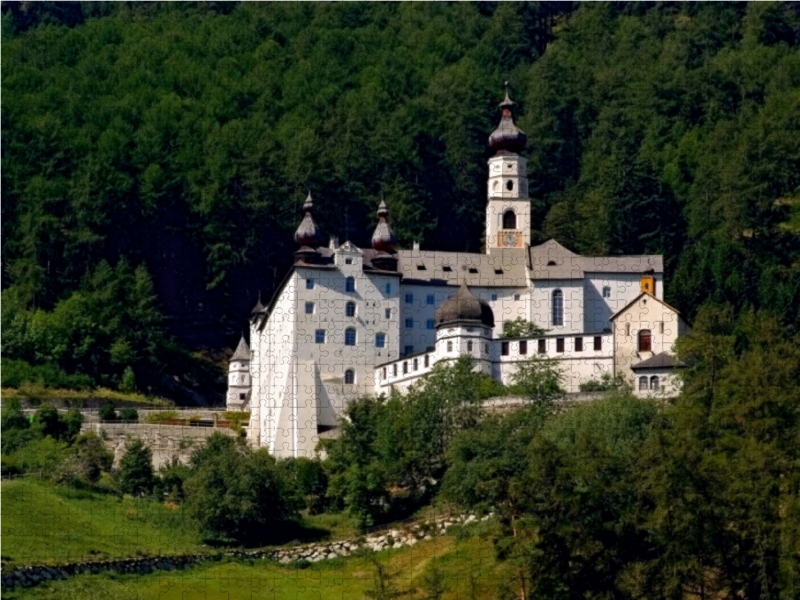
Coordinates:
47 421
128 380
239 494
135 474
163 415
17 373
43 456
128 414
107 412
87 460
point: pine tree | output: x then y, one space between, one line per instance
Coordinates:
135 474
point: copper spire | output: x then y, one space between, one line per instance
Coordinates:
383 239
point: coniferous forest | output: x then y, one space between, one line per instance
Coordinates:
155 156
155 159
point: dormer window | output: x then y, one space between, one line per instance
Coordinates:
446 268
473 270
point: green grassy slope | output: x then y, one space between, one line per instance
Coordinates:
340 579
43 523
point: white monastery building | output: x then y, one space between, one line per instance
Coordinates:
351 321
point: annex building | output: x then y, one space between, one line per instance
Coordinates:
350 321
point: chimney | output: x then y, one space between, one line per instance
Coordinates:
334 243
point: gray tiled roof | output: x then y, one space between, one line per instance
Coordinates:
502 268
551 260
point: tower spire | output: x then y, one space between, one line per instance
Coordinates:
507 138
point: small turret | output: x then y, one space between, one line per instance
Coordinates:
239 377
307 235
384 242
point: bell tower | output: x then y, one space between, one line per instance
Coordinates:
508 210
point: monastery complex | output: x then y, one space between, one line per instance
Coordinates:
351 321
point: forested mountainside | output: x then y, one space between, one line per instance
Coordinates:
155 156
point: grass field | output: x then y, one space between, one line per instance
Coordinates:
80 397
44 523
340 579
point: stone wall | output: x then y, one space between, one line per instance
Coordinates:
165 441
395 537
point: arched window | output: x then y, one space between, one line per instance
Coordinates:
350 309
558 308
509 220
349 376
645 340
380 340
654 383
350 284
642 383
349 337
509 185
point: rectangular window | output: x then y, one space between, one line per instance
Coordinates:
578 344
416 364
242 396
516 296
348 261
409 350
449 346
387 313
469 346
430 299
504 348
598 343
542 346
409 298
309 308
309 284
380 340
486 348
405 367
409 323
319 335
427 361
394 370
661 327
388 288
559 344
429 324
494 297
523 348
606 292
383 373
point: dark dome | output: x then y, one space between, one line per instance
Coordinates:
383 239
464 306
507 137
307 233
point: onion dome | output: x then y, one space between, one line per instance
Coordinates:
463 306
307 233
242 351
383 239
507 137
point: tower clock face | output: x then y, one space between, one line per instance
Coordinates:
509 240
